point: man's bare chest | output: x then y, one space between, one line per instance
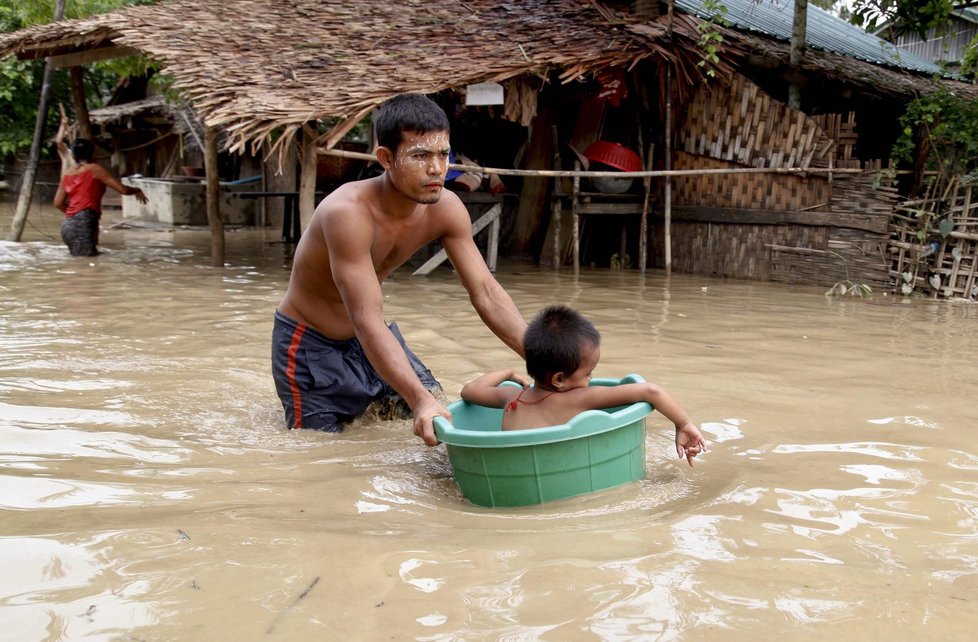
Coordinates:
391 250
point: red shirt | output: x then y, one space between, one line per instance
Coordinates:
84 192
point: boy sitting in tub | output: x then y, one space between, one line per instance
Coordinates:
562 349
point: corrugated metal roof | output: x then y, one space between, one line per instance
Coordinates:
825 31
967 13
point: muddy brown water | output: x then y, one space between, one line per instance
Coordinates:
148 489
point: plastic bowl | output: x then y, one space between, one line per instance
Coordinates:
614 155
595 450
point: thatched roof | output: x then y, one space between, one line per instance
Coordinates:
154 105
255 67
261 69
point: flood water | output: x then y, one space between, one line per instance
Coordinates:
149 491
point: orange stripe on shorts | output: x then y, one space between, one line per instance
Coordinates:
300 329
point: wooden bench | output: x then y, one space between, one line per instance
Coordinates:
490 218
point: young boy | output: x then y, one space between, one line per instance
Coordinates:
562 349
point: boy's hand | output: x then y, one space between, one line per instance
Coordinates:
689 442
518 378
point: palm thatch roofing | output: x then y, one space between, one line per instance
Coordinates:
260 69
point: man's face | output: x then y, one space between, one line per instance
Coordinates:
420 164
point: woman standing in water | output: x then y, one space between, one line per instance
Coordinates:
80 198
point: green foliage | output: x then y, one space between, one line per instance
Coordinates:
16 115
916 16
710 37
848 288
948 124
20 80
969 62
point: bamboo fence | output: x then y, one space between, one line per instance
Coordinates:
934 243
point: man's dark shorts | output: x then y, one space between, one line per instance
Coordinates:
324 383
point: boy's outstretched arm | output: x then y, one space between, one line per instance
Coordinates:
689 441
485 390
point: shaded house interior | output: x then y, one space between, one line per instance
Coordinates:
572 74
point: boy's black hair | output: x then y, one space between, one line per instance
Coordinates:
83 150
554 341
408 112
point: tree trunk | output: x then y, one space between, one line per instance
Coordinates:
213 197
81 105
30 171
799 27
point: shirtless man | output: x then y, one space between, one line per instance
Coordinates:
332 352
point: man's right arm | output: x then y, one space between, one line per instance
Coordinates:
348 241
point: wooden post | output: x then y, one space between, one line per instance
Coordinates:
668 190
557 214
575 233
307 177
533 196
30 170
643 244
80 103
556 208
214 220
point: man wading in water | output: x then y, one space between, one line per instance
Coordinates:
332 352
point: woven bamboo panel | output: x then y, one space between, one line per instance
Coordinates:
950 271
740 123
842 130
866 193
734 251
849 255
759 191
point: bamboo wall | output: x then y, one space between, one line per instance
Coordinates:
738 125
760 191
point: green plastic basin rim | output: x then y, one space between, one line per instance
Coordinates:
589 422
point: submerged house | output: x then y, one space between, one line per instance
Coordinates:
741 185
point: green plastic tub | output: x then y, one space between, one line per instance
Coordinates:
595 450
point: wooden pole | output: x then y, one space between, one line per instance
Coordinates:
575 230
307 176
30 171
643 248
667 228
80 103
213 197
587 174
557 214
556 206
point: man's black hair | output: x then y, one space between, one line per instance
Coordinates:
83 150
408 112
554 341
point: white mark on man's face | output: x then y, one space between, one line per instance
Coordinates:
421 163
